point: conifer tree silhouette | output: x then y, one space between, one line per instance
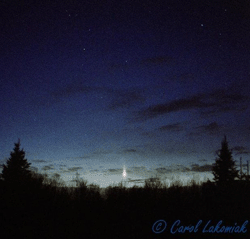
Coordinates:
224 169
17 168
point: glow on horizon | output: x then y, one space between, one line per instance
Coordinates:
124 174
104 180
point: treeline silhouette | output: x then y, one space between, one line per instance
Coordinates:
42 208
35 206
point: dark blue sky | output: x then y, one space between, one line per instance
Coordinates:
150 86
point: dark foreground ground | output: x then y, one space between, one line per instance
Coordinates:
45 210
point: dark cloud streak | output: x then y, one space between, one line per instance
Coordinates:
239 150
202 168
217 101
211 128
173 106
171 127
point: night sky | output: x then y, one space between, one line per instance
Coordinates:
108 88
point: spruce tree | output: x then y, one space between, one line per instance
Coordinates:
224 169
17 168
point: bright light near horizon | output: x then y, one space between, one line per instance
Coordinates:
124 174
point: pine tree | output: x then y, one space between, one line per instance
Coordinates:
17 168
224 169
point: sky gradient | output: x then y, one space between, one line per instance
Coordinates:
99 87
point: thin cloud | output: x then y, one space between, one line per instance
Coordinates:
172 106
244 152
202 168
94 170
156 60
211 128
138 169
239 150
118 98
79 157
64 92
182 168
62 165
129 180
172 169
102 152
202 160
164 170
171 127
47 167
129 151
222 97
226 102
183 78
38 161
74 169
125 98
115 171
218 101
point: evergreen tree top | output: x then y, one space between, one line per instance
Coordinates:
17 167
224 169
225 152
